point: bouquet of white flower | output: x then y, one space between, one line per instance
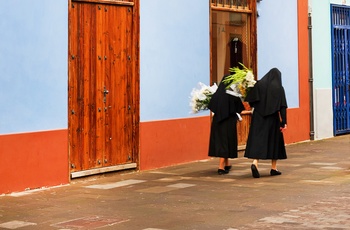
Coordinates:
200 97
240 82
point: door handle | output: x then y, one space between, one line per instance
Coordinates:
105 92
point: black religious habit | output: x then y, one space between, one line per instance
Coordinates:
223 132
265 139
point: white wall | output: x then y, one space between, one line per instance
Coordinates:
33 61
33 65
175 56
278 44
175 53
321 43
322 66
339 2
322 69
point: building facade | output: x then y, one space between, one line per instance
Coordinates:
330 65
170 51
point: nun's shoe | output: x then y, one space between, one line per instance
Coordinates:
228 168
275 172
222 171
255 171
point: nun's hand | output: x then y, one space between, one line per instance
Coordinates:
283 128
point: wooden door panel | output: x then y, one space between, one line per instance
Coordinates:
82 85
100 90
118 118
72 84
101 126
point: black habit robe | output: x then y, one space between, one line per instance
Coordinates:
223 132
265 139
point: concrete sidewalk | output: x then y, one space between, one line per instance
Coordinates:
312 193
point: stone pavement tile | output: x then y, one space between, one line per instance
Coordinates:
90 222
331 213
156 189
193 196
115 184
15 224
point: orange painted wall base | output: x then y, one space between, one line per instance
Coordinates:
40 159
171 142
33 160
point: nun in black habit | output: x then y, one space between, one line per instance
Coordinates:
223 132
269 120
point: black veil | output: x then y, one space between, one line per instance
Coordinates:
268 96
224 105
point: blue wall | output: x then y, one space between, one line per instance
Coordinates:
174 56
33 61
33 65
278 44
175 53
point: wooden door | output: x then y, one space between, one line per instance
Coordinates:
103 86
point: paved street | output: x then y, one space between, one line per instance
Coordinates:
313 192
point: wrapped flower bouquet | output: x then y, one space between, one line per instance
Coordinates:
240 82
200 97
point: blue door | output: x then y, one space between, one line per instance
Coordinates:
341 60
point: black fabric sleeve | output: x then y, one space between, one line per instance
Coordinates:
252 104
283 112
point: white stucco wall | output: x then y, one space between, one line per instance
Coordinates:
278 44
174 56
322 66
175 53
33 65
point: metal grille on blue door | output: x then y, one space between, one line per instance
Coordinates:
341 61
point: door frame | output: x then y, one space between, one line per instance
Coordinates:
248 8
135 79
